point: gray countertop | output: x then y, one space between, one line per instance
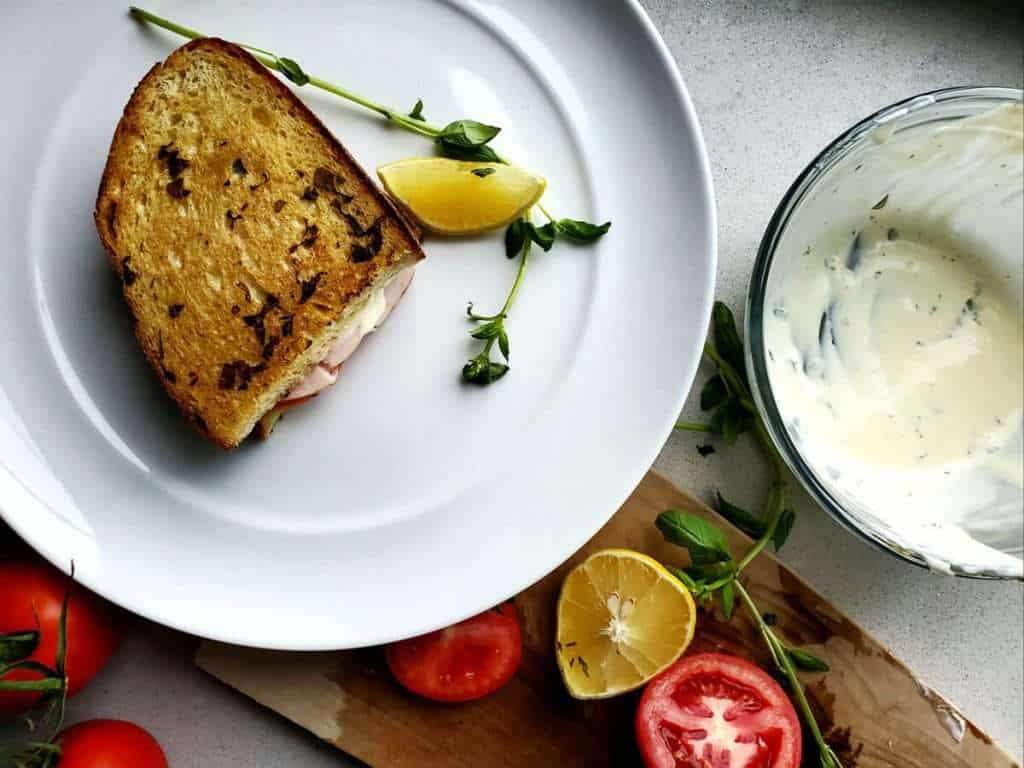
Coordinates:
773 82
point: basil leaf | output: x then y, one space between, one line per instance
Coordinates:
583 231
782 529
731 419
727 339
503 342
745 419
718 416
474 370
17 646
291 70
482 172
515 238
713 393
807 661
459 152
417 111
487 330
496 370
728 597
747 522
543 236
482 371
730 426
467 133
705 543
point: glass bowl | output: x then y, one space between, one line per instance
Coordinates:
833 168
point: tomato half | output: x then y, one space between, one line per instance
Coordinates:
109 744
717 711
461 662
31 596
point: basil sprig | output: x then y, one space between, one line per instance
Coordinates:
713 572
520 236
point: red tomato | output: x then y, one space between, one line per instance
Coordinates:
461 662
31 589
109 744
717 711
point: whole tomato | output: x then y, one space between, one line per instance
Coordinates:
109 744
31 597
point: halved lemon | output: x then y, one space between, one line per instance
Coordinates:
460 197
622 619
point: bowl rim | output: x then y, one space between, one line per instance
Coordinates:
755 355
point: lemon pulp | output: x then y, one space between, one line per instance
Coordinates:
622 619
459 197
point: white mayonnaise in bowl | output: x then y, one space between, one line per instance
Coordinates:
884 327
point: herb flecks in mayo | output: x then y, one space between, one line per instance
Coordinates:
896 342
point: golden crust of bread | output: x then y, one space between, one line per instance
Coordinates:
245 235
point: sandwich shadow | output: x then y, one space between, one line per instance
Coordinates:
98 329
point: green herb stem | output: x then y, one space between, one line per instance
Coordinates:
523 262
768 447
773 525
774 506
786 666
545 212
170 26
509 300
691 426
416 126
514 290
732 379
481 369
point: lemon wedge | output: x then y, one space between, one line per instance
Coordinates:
622 619
459 197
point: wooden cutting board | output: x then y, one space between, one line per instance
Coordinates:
875 711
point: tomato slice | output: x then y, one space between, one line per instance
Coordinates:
717 711
461 662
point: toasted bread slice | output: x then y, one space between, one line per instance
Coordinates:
245 235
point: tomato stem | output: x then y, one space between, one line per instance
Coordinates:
53 690
46 685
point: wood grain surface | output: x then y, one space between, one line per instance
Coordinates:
875 711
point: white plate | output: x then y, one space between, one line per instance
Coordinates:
402 500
